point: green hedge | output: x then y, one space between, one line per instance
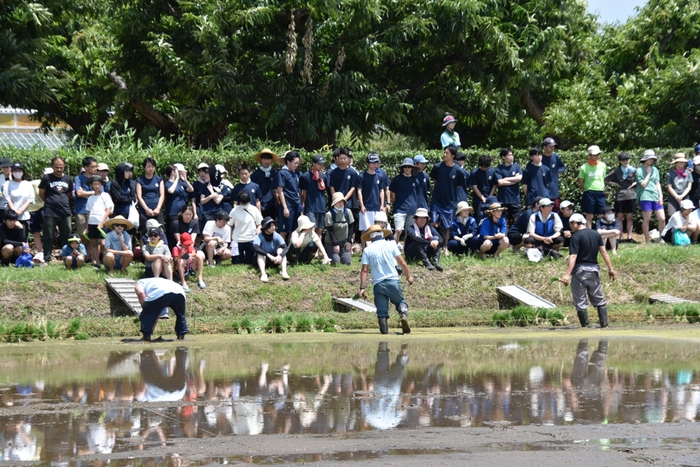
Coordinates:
121 149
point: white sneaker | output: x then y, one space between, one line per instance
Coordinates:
284 275
39 257
264 278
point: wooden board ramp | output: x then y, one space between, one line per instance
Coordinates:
510 296
124 289
347 304
670 299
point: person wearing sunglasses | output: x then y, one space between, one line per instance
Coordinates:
118 253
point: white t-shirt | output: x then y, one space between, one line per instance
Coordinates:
97 205
677 221
245 221
19 193
211 230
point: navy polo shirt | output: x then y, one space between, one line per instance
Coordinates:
371 185
289 181
422 188
343 180
267 195
252 188
555 166
405 191
537 180
484 180
508 194
209 207
447 181
315 198
80 204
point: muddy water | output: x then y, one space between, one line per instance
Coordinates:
60 405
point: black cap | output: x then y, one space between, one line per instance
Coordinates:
222 215
536 201
5 162
96 178
153 230
318 159
460 156
623 156
608 209
266 222
17 165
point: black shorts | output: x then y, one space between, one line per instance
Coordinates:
626 206
94 232
36 220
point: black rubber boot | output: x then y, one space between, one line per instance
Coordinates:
436 261
603 316
403 314
428 265
583 318
383 326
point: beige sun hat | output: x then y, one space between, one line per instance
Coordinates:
462 206
258 156
367 236
337 197
679 157
421 212
119 220
304 223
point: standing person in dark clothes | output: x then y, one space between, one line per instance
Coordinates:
199 183
404 196
314 186
463 193
624 179
246 184
288 194
12 238
371 192
447 179
265 176
583 271
553 162
423 241
344 179
695 190
536 177
423 187
508 177
177 191
82 192
56 189
123 192
150 194
483 180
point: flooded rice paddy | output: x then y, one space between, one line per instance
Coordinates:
62 404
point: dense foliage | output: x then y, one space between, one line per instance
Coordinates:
302 72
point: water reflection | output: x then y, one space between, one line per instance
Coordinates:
148 398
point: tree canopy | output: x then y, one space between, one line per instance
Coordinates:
302 71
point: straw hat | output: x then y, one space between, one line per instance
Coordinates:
462 206
258 156
304 223
367 236
119 220
495 207
337 197
679 157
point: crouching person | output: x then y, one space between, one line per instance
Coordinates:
305 243
381 257
156 294
188 261
118 254
156 255
271 249
73 253
463 231
423 241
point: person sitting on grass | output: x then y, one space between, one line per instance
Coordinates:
188 261
73 253
492 233
517 233
12 237
118 253
217 239
423 241
339 231
463 231
682 220
271 249
99 207
566 210
609 228
305 243
156 255
544 229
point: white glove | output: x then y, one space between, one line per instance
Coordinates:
467 237
463 241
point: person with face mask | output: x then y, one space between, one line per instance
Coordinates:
19 194
609 228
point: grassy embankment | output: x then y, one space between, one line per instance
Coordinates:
51 302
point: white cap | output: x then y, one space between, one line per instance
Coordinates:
696 160
578 218
202 165
545 202
593 150
687 204
48 171
566 204
221 169
179 167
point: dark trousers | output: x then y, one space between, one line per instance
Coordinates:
246 254
422 252
49 232
152 309
302 256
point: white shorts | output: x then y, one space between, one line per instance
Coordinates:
402 221
367 220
